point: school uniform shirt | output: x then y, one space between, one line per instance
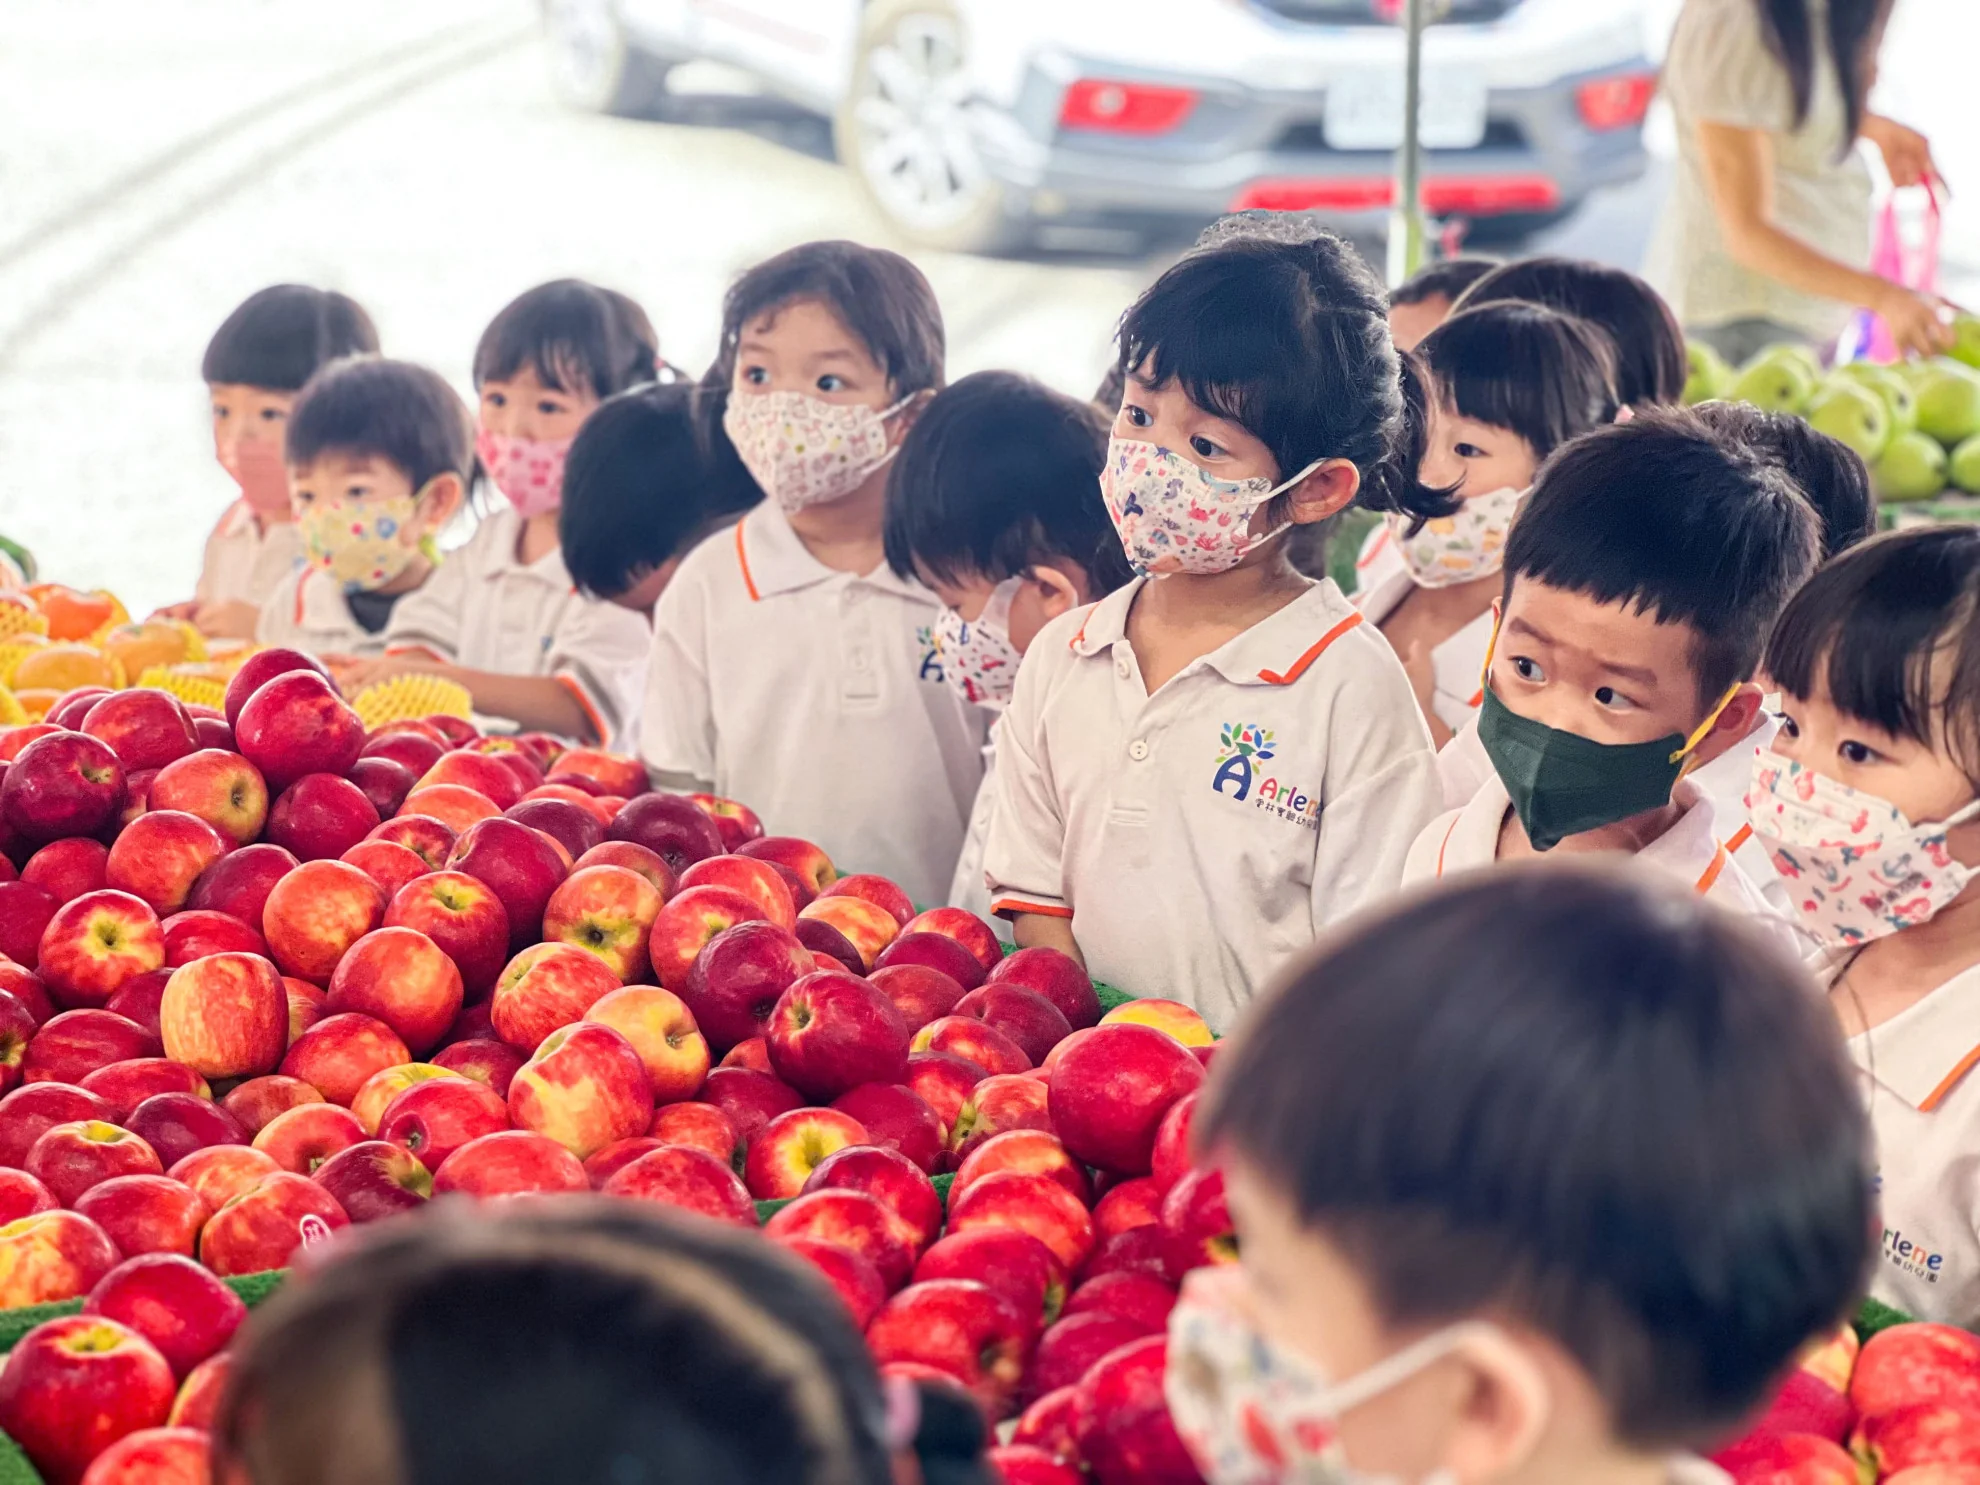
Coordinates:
1923 1097
1457 662
815 697
309 611
969 889
246 558
484 610
1379 560
1726 779
1200 837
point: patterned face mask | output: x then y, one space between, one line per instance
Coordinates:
1855 866
257 467
1470 543
363 544
1172 517
978 658
802 450
528 471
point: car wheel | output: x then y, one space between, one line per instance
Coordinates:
592 64
904 132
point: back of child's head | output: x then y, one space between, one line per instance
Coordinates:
278 337
1660 515
582 1341
1890 631
1650 359
998 474
647 476
1643 1144
574 336
1546 376
1828 471
1289 340
879 296
1447 279
367 406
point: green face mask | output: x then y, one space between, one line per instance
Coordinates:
1562 783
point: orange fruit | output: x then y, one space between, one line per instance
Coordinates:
141 646
73 615
35 702
63 667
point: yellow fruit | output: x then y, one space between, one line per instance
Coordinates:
14 649
139 647
201 683
75 615
63 667
12 713
401 698
19 616
34 703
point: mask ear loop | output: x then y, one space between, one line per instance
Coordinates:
1698 733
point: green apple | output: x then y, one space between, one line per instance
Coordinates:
1966 339
1852 414
1899 400
1949 405
1709 376
1774 380
1913 468
1964 466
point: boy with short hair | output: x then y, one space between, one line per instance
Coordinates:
1423 301
1641 579
1515 1216
379 454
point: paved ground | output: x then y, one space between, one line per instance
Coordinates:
161 158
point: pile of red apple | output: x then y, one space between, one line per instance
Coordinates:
1903 1407
263 975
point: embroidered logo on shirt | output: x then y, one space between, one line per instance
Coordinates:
1242 746
931 654
1912 1258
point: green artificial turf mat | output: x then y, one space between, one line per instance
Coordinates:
1875 1316
15 1323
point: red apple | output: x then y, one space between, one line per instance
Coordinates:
826 942
304 1137
487 1061
199 1399
387 863
1109 1093
751 1100
451 805
1169 1160
754 1054
64 784
878 890
176 1124
320 816
935 950
257 670
76 1043
70 1158
219 1173
669 825
383 783
613 772
1025 1464
25 911
1799 1458
791 1146
893 1180
662 1030
572 826
974 1041
476 771
139 999
830 1032
1135 1202
297 724
427 838
1013 1263
68 710
21 1195
1197 1224
338 1053
1030 1203
1002 1104
433 1119
959 1327
920 994
315 913
253 1103
1131 1440
584 1088
852 1276
221 788
400 977
966 929
944 1081
682 1176
756 880
264 1226
382 1088
519 864
373 1179
26 987
198 932
1141 1298
1906 1364
1032 1151
412 751
173 1303
13 739
601 1165
546 987
686 925
92 945
607 911
898 1118
702 1125
125 1085
153 1456
510 1163
226 1016
737 823
1070 1347
145 728
67 869
212 732
1178 1020
633 858
736 976
1028 1019
160 855
811 865
853 1220
238 883
72 1387
17 1029
26 1113
868 927
464 917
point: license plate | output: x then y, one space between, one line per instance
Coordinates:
1364 110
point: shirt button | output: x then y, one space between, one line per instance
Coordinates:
1138 750
859 660
1121 669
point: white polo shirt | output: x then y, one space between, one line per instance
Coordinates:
308 612
1378 560
484 610
1924 1103
1457 663
246 558
969 888
1200 837
815 697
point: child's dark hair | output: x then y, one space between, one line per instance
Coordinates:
1000 473
1826 470
278 337
1889 630
646 478
1481 1129
1445 280
393 410
879 296
1650 360
1546 376
585 1340
575 336
1290 340
1660 514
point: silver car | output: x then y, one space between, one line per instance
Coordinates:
982 125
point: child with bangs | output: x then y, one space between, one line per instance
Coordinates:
1223 719
501 615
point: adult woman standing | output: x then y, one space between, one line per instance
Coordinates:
1767 234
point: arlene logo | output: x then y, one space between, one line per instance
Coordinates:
1239 746
931 653
1912 1257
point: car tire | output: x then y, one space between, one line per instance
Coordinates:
595 66
901 133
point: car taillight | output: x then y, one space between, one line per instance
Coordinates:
1615 102
1125 107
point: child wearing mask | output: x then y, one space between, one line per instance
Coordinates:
1223 720
1866 801
1521 1217
501 616
791 667
1640 577
256 363
995 504
1508 383
379 455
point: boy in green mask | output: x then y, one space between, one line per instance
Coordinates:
1641 579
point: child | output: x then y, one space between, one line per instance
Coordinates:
501 616
995 504
1866 802
1521 1216
254 366
1650 360
1423 302
646 481
1203 768
791 668
1511 383
379 455
1639 578
1826 470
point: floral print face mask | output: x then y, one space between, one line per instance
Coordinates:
1855 866
803 450
1469 543
528 471
363 544
1172 517
978 658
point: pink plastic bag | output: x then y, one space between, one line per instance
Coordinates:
1915 265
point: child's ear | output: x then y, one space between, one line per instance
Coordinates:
1325 492
902 423
1060 588
1506 1406
1735 721
439 501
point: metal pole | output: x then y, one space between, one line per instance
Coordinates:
1406 230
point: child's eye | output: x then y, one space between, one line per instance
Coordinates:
1470 451
548 408
494 399
1528 669
1788 725
755 376
1610 697
219 412
1857 753
831 382
1137 416
1205 447
303 497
